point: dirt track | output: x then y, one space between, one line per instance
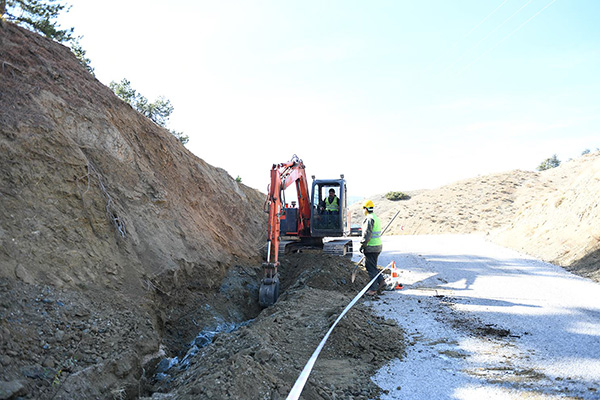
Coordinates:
485 322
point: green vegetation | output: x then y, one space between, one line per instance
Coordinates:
158 111
548 163
395 196
238 179
80 54
38 16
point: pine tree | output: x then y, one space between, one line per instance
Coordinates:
37 15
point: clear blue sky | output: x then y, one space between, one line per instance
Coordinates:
397 95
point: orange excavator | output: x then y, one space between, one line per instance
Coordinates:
307 224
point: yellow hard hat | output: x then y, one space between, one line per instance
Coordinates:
368 204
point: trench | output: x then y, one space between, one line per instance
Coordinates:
170 366
235 305
240 350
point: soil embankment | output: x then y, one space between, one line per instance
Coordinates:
103 217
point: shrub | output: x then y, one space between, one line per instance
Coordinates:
395 196
548 163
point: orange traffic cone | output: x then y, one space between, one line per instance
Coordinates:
396 277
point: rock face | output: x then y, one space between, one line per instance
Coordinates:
93 193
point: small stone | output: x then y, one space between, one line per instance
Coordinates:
12 389
49 363
59 336
123 367
23 274
263 355
5 360
197 390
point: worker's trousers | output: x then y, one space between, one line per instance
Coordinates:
371 266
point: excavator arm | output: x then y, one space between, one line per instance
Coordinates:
283 175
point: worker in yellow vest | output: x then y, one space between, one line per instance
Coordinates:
332 203
371 246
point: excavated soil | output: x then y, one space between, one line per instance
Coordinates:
61 344
261 358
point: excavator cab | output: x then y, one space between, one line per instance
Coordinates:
329 217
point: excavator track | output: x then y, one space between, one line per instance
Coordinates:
339 247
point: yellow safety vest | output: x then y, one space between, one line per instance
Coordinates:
333 206
376 234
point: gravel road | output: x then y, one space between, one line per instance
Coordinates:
487 322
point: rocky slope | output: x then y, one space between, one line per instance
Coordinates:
103 217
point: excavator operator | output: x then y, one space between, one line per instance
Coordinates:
332 203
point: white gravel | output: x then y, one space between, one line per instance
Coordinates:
485 322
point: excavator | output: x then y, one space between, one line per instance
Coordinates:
307 224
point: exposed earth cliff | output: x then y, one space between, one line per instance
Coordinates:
103 214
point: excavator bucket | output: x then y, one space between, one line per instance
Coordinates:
269 291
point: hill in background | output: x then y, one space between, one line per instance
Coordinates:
552 215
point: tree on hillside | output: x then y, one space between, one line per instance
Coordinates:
80 54
158 111
37 15
548 163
